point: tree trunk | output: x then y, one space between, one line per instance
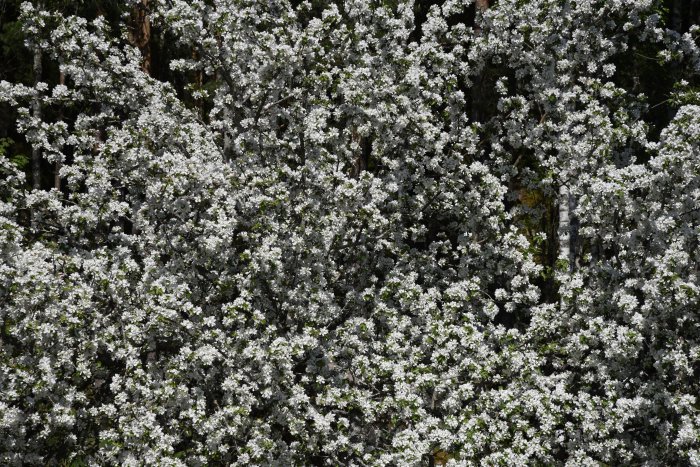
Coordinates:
57 167
199 81
564 224
573 234
477 91
568 228
36 113
361 154
676 19
226 131
140 35
481 7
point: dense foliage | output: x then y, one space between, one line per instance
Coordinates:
242 232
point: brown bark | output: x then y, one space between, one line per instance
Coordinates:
140 34
481 7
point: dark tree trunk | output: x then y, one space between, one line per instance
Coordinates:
36 113
57 167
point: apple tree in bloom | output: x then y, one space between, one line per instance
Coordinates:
367 233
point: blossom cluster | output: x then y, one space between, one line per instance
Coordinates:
337 259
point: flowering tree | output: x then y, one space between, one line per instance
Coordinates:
367 233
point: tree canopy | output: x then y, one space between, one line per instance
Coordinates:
359 232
